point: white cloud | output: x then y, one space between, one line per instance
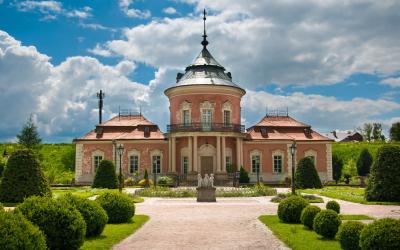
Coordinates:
51 9
100 51
284 42
170 10
78 13
96 26
392 82
132 12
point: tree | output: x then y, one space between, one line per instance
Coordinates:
243 176
395 132
364 162
306 175
29 136
366 131
384 179
349 170
105 176
337 167
377 134
23 177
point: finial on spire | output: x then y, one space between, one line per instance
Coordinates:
204 42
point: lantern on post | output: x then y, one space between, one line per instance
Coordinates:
120 151
293 148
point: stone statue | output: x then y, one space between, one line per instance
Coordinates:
199 180
206 181
205 188
211 180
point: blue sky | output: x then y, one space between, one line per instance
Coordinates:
334 64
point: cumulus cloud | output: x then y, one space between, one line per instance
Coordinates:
126 7
170 10
283 42
392 82
51 9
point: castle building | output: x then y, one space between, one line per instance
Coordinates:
205 135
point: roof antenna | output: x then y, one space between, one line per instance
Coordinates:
140 110
204 42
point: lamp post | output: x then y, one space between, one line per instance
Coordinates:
292 152
120 150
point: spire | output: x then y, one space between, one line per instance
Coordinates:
204 42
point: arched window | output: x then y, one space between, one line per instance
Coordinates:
226 113
277 161
206 109
156 161
97 157
134 161
255 157
186 113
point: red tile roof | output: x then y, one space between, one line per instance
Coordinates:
280 121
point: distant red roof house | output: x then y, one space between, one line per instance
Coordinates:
344 136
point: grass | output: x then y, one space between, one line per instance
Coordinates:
355 217
308 197
84 192
114 233
296 236
353 194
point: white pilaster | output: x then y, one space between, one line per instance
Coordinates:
169 154
223 167
195 154
190 149
78 160
218 153
238 153
329 172
173 154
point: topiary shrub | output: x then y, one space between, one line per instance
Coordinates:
165 180
289 210
105 176
306 175
364 162
1 207
337 167
326 223
2 166
243 176
333 205
381 234
308 214
119 207
144 183
23 177
384 184
62 223
16 232
94 215
349 235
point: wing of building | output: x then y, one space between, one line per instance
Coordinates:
204 135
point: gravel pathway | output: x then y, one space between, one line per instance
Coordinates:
230 223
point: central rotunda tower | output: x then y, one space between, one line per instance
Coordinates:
205 134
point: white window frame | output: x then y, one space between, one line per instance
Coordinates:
185 161
96 153
311 153
131 153
186 106
281 154
156 153
259 154
226 107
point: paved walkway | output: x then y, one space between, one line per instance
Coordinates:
230 223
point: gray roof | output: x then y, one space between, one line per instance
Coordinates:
340 135
205 70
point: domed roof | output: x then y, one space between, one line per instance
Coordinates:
205 69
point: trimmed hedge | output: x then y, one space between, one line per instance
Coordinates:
62 223
306 175
243 176
364 162
289 210
105 176
94 215
16 232
349 235
1 207
327 223
381 234
333 205
120 208
23 177
384 184
308 214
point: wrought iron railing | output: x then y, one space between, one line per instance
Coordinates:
205 127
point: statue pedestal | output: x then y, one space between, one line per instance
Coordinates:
206 194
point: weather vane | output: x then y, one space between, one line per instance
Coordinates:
100 96
204 42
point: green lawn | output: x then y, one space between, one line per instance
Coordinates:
114 233
353 194
296 236
355 217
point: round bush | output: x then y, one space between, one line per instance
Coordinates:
94 215
16 232
165 180
289 210
308 214
105 176
23 177
145 183
383 183
381 234
62 223
333 205
119 207
1 207
306 175
326 223
349 235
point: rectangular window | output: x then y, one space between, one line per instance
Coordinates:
185 164
186 117
133 164
227 118
96 161
156 164
277 163
255 163
228 164
206 119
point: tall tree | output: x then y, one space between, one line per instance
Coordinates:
395 132
366 131
337 166
29 136
377 134
364 162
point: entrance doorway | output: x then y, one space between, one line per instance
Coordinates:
207 165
